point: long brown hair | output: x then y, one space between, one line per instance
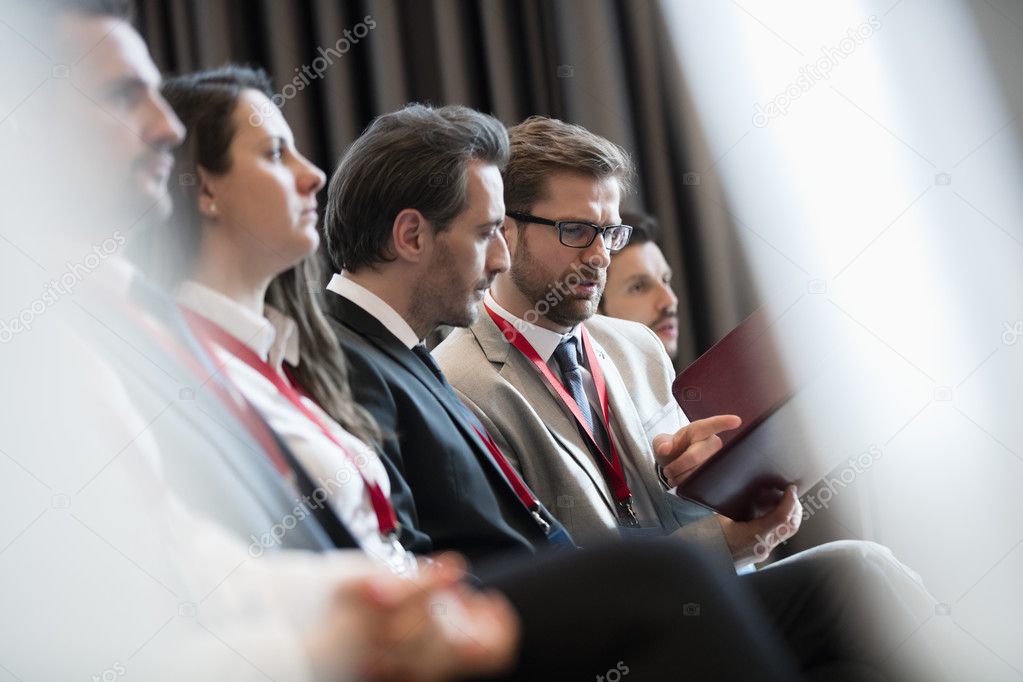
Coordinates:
205 102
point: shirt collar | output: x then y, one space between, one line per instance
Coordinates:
273 338
375 306
544 341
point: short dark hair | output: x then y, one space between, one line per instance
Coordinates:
541 146
644 227
416 158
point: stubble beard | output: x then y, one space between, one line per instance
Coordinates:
554 300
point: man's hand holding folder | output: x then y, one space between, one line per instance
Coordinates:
680 454
752 541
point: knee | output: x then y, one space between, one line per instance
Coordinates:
865 554
867 550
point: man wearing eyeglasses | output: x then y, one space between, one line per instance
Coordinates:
582 402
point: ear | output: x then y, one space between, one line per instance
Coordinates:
206 196
510 232
410 235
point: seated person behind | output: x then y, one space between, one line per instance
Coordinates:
639 283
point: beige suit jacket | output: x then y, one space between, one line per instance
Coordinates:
541 440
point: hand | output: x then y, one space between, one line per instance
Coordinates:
682 454
430 628
752 541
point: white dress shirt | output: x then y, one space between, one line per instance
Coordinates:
544 341
274 339
375 306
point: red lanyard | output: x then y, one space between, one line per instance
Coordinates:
387 520
525 494
612 465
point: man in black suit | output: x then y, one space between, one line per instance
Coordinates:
460 497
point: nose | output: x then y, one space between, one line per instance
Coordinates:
310 178
498 260
596 254
668 299
163 128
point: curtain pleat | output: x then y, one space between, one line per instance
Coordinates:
605 64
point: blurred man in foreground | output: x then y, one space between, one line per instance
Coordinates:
133 474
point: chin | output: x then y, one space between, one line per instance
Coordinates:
312 234
308 242
585 309
152 206
572 312
463 318
163 208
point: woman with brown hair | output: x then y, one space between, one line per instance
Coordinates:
245 223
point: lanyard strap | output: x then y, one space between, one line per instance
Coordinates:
525 495
387 520
226 393
612 465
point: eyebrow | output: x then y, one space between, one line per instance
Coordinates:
124 85
279 140
588 222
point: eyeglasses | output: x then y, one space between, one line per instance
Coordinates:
579 235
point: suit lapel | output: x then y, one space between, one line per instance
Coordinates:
517 370
361 322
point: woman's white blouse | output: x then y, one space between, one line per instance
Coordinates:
274 338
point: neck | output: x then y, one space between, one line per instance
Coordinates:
393 288
509 297
220 268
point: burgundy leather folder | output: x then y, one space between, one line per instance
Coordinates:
747 374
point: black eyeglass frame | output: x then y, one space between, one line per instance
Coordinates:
597 229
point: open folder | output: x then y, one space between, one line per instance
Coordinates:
775 371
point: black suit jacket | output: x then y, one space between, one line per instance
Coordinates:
447 490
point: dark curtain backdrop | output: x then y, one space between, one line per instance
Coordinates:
605 64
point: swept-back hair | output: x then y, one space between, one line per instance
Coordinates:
417 157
